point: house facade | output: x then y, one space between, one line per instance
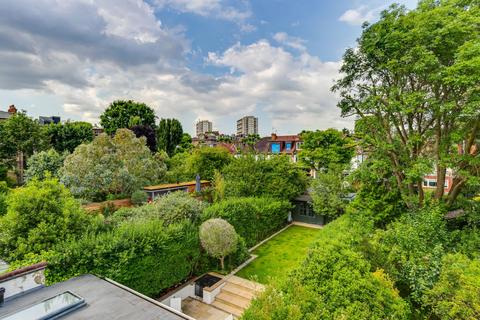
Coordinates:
275 144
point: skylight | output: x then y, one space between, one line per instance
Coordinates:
50 308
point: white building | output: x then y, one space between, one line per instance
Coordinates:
247 125
203 126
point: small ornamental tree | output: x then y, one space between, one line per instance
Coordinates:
218 238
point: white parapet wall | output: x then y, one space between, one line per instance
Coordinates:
185 292
23 280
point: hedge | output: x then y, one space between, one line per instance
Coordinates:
254 219
144 255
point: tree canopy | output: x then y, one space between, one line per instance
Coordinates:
218 238
126 114
414 77
67 136
324 148
118 165
169 135
43 164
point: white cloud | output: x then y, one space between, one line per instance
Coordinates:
212 8
359 15
293 42
85 58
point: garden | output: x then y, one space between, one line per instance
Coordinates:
280 255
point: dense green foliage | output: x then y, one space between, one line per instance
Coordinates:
170 135
39 216
4 190
456 295
322 149
218 238
21 137
334 282
328 191
205 160
126 114
254 219
149 134
43 164
411 249
118 165
171 208
67 136
278 177
413 79
139 197
143 255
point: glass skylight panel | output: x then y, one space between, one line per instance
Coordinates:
50 308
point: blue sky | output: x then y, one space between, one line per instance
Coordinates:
188 59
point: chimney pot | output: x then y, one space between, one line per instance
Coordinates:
12 109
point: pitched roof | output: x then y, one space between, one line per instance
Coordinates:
4 115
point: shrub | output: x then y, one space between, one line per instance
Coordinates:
43 164
139 197
334 282
40 215
144 255
250 176
4 190
218 238
410 250
253 218
456 295
171 208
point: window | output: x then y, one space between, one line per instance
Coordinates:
288 146
50 308
299 145
276 147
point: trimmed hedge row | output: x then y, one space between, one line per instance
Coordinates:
144 255
254 219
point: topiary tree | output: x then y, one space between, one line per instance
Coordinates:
218 238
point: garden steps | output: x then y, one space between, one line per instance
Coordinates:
239 290
237 312
233 299
237 293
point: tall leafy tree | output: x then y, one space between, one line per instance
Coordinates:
44 163
149 134
21 137
126 114
118 165
414 75
67 136
322 149
205 160
169 135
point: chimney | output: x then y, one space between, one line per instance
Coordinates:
274 136
12 109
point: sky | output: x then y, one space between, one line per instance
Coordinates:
187 59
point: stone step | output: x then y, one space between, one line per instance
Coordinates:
237 312
233 300
239 290
255 286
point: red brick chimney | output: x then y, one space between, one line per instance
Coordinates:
274 136
12 109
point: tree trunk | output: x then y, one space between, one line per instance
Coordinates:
457 186
222 263
421 193
441 173
19 168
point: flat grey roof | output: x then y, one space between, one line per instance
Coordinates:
4 115
104 300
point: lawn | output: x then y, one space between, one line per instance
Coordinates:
280 254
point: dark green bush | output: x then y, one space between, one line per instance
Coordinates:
4 190
254 219
144 255
139 197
